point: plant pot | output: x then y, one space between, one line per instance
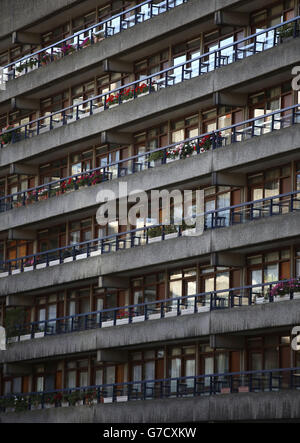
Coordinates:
204 309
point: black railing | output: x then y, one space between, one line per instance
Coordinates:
88 36
158 309
195 67
216 219
224 137
275 380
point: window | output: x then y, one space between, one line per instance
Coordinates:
107 155
268 268
146 290
183 283
53 171
81 162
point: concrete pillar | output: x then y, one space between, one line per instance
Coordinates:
25 104
117 138
23 169
114 282
200 219
112 356
230 99
2 339
227 259
228 179
232 18
117 66
19 301
29 38
21 234
227 342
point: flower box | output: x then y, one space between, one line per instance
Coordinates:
48 406
68 260
12 340
28 268
25 337
41 266
4 274
188 311
54 263
138 319
16 271
122 399
155 240
296 295
123 321
65 404
79 403
154 317
96 253
169 236
39 335
108 400
204 309
171 314
81 256
107 324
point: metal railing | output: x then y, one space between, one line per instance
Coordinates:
158 309
216 219
275 380
195 67
88 36
224 137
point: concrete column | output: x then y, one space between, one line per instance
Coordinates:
230 99
228 179
118 66
117 138
25 104
114 282
29 38
227 342
112 356
21 234
227 259
23 169
232 18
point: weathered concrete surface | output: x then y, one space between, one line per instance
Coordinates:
268 406
140 35
255 233
19 14
234 157
191 91
250 318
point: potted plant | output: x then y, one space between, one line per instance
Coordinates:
21 404
6 138
286 32
156 157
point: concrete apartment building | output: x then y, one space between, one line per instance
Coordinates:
149 323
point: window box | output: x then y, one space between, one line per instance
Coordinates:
122 399
154 317
225 391
244 389
123 321
108 400
38 335
171 314
296 295
260 300
138 319
204 309
41 266
25 337
28 268
107 324
65 404
155 239
189 311
54 263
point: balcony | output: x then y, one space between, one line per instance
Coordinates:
223 138
212 397
252 295
87 37
170 77
233 216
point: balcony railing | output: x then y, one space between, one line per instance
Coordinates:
195 67
158 309
89 36
275 380
239 132
216 219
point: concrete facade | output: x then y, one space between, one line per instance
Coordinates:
219 339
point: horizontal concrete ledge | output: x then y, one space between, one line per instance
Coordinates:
263 407
254 151
180 95
19 15
250 318
118 45
253 234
